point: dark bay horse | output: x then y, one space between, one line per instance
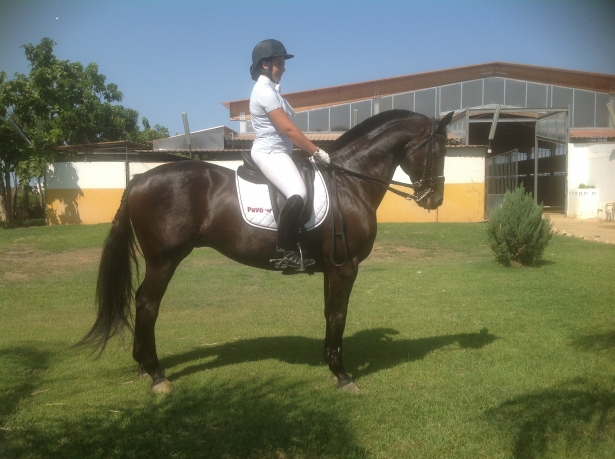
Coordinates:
178 206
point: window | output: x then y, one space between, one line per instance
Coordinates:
515 93
584 108
472 94
404 101
319 120
360 111
386 103
340 117
561 98
301 121
494 91
426 102
450 97
602 113
536 95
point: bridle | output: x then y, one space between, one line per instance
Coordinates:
422 188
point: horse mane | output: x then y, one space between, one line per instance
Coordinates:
370 124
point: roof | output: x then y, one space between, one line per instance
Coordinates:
313 136
306 100
592 134
119 145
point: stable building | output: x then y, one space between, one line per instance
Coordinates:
551 131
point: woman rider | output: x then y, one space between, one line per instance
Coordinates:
273 146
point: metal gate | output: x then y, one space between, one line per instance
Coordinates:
502 176
542 170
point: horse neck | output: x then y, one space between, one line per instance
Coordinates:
380 156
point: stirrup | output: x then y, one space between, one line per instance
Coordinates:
293 260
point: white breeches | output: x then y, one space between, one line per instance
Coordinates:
280 169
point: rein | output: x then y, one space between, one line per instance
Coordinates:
386 183
426 178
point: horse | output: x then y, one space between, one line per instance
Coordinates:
178 206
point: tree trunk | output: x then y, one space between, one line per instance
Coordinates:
8 207
40 193
2 198
15 207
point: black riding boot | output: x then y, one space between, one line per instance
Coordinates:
288 228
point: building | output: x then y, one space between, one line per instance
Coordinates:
549 130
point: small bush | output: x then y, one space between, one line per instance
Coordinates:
517 232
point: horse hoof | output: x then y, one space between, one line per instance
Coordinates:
351 388
162 387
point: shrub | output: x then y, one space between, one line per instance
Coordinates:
517 232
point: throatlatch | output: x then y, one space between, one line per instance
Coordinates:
288 236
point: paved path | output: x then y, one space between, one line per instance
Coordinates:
591 229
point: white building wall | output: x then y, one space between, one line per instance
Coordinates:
592 164
86 175
139 168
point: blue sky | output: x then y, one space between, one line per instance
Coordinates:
169 57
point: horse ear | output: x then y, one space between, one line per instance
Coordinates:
445 121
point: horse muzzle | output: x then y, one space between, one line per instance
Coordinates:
432 201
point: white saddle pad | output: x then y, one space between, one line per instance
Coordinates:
256 206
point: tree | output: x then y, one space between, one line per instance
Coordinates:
58 103
148 133
517 231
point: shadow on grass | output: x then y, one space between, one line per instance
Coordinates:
575 419
236 420
366 352
22 369
596 342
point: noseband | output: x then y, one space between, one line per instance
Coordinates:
425 185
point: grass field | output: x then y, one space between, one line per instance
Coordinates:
456 357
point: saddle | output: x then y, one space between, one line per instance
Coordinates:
250 172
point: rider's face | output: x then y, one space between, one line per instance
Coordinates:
277 68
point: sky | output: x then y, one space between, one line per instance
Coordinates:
169 57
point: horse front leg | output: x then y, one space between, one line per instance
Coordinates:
148 298
338 282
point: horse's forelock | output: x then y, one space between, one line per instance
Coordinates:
372 124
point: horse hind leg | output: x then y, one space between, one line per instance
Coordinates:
148 297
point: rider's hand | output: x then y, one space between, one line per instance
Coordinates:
322 157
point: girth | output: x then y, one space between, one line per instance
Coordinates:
249 171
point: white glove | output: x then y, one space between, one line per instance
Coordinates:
322 157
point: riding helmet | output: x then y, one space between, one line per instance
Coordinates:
265 50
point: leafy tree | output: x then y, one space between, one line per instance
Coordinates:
58 103
148 133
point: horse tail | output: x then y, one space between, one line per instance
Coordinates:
114 289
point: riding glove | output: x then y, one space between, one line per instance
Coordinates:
322 156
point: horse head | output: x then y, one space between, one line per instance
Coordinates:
424 163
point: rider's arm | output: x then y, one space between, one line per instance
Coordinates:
285 126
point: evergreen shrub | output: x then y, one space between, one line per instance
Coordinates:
517 232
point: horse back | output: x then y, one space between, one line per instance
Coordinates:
171 204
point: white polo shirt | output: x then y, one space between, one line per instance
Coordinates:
265 97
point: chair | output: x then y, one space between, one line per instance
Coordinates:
608 211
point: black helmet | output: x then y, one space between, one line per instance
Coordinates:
265 50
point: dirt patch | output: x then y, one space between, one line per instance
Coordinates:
384 251
591 229
23 263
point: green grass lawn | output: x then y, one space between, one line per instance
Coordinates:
456 356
